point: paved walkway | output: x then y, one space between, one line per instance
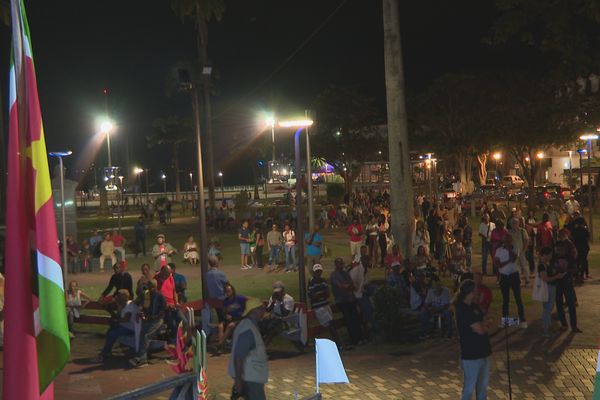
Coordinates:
559 368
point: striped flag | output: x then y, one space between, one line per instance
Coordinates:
36 337
597 381
202 385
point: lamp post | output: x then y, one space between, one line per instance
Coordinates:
121 213
497 156
580 152
270 121
222 187
300 125
60 155
105 128
589 138
164 179
570 169
540 157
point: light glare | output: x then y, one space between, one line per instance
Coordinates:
301 123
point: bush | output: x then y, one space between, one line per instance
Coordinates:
335 193
388 302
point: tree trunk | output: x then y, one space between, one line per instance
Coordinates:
177 175
202 30
482 167
465 165
400 172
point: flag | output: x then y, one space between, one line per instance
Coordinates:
202 385
597 381
329 363
36 337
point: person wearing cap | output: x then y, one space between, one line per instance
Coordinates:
121 279
162 252
475 346
280 303
318 295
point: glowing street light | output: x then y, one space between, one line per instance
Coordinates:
497 156
298 123
540 155
164 179
222 187
106 127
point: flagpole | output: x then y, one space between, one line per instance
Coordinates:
317 367
60 155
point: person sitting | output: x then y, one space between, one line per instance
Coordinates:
418 292
107 250
190 251
421 260
280 305
234 306
122 323
119 242
152 319
180 284
437 304
76 299
214 249
145 278
121 279
395 257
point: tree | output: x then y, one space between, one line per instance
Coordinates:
400 172
452 121
172 131
202 12
565 33
348 131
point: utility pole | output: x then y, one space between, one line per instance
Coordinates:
400 173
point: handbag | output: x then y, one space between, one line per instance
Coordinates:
540 288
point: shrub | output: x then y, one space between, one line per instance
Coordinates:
335 193
388 302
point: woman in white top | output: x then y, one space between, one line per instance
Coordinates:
190 251
289 240
372 229
420 237
76 299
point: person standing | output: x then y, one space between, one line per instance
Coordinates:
244 238
382 227
107 250
467 236
497 238
140 237
420 237
505 260
343 293
581 239
550 275
520 240
274 242
260 245
545 234
318 294
289 239
572 206
162 252
314 243
355 231
564 262
475 346
248 364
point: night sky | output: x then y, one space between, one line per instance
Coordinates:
81 47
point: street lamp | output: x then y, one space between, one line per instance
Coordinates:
60 155
106 126
497 156
222 187
270 122
589 137
540 157
164 179
570 169
300 125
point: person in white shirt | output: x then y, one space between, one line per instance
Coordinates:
505 260
437 304
485 233
280 303
572 206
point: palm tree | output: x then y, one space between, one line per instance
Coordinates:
400 173
202 12
172 131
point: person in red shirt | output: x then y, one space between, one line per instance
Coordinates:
355 231
394 258
165 283
119 242
545 237
332 217
483 294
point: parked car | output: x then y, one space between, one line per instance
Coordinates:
581 195
548 194
512 181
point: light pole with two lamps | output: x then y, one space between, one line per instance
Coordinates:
589 137
60 155
300 125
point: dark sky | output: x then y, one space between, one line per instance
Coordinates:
80 47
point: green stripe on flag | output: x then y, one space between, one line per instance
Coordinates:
53 342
